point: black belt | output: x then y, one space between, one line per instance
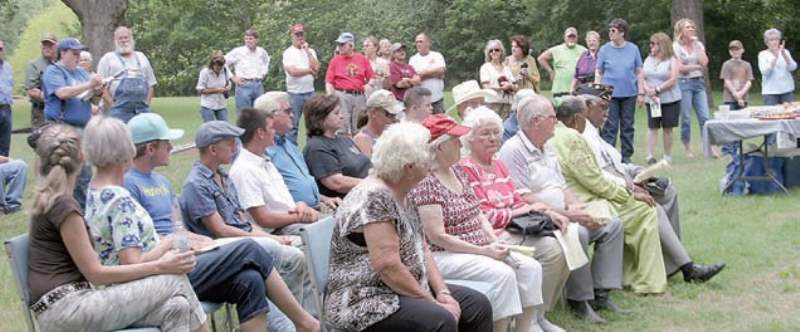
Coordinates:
56 294
352 92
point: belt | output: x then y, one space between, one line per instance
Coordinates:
352 92
253 79
56 294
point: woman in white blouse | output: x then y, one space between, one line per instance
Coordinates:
496 75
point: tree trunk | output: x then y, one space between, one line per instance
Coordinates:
98 20
693 9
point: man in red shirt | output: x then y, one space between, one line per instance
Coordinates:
347 74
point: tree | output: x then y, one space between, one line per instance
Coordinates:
98 19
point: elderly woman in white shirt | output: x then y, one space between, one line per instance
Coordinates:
776 66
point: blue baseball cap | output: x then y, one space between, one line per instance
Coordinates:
214 131
70 43
345 37
150 126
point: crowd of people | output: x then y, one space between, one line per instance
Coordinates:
420 194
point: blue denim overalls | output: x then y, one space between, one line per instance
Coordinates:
130 98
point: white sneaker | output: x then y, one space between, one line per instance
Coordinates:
536 327
547 326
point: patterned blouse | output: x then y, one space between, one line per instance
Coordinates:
495 190
116 222
461 211
357 297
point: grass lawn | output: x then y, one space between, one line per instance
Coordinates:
758 237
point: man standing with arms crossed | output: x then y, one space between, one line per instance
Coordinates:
431 67
33 77
301 66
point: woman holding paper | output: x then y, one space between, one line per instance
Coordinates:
463 242
659 91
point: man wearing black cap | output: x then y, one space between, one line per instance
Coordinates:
33 77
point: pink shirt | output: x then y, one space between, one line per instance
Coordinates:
494 190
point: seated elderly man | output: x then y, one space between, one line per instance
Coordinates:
501 203
288 158
13 177
211 205
259 185
609 160
643 266
418 106
466 96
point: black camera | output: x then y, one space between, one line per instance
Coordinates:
524 65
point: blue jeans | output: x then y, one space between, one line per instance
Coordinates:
234 273
770 100
82 185
621 117
693 94
247 93
5 129
296 102
13 176
510 126
210 115
731 148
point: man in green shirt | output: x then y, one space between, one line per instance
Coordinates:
565 57
33 77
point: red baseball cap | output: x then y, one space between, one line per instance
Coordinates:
440 124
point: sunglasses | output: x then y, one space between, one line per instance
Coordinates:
495 50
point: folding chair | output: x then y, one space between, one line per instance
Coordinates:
17 251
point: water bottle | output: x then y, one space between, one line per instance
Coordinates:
181 242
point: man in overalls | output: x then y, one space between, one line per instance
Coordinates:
131 78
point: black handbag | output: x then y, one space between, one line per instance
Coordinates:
656 186
533 223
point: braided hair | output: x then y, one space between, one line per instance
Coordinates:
58 161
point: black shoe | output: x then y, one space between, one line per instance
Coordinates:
583 310
602 301
702 273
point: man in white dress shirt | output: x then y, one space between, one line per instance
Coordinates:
250 66
261 189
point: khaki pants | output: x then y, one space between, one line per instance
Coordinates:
166 301
554 265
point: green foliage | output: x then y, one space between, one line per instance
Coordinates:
55 18
15 14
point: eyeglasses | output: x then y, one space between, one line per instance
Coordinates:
487 134
495 50
652 43
613 30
